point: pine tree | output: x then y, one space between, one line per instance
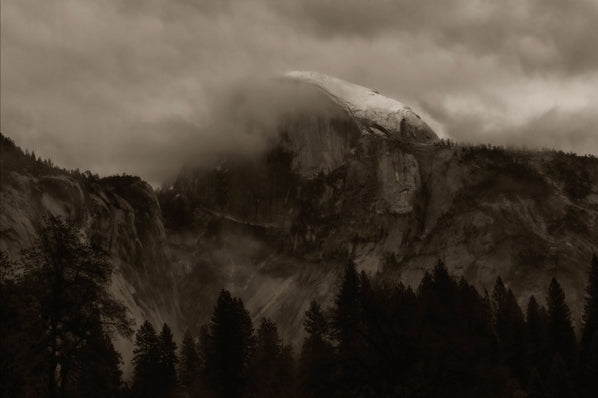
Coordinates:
536 322
511 331
499 294
537 325
286 370
203 345
346 316
590 315
66 278
266 360
316 363
442 280
230 344
561 337
98 372
20 331
167 361
559 381
189 366
268 342
473 334
589 336
425 284
590 370
452 328
347 333
146 361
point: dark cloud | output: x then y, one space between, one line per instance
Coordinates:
143 86
244 120
538 35
570 131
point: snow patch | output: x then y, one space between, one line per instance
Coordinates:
375 113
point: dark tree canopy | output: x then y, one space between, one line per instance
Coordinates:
146 361
590 314
167 361
99 374
560 329
189 366
537 336
589 336
377 339
317 355
511 330
346 330
271 365
346 316
230 345
62 300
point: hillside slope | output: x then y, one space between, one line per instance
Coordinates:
275 229
122 210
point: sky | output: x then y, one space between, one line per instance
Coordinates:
143 86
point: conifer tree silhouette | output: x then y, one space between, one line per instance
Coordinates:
317 355
346 329
98 372
266 361
559 383
189 366
167 361
589 336
561 337
230 345
537 337
511 331
65 279
146 361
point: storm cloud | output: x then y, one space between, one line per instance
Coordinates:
145 86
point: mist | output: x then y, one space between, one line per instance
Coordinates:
144 87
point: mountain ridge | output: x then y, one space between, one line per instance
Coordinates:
277 229
375 113
394 207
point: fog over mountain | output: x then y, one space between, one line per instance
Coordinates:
315 198
113 86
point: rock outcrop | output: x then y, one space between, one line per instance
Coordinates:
122 210
277 229
367 181
374 113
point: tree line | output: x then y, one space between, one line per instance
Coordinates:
377 339
58 319
444 339
228 359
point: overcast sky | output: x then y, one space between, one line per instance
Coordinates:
124 85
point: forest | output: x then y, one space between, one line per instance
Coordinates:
377 339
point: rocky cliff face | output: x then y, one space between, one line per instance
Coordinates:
276 229
374 113
123 210
366 181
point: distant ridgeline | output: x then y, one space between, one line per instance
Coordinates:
14 158
276 228
120 212
369 183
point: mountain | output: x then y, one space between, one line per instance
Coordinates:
373 112
371 182
363 179
122 210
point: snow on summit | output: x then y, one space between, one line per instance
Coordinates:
375 113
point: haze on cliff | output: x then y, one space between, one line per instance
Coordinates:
141 86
